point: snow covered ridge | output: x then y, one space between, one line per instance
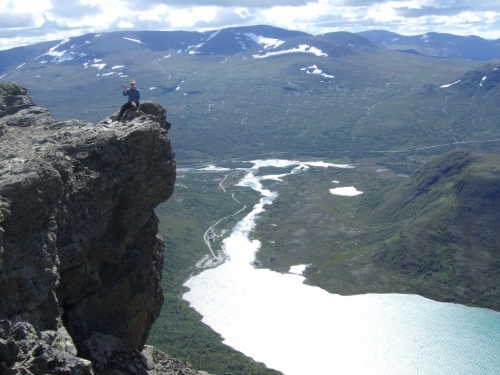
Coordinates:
303 48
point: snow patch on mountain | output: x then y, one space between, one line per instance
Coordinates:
194 49
53 52
315 70
61 56
98 66
303 48
213 35
349 191
134 40
450 84
267 42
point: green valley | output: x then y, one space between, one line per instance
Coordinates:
422 133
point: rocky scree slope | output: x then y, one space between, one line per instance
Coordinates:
80 257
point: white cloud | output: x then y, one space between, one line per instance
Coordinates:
190 17
27 21
125 25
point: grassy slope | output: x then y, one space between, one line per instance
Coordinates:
239 106
448 245
433 235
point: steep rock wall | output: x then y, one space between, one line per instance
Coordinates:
79 248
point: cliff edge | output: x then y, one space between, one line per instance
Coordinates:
80 255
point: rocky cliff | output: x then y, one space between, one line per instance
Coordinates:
80 256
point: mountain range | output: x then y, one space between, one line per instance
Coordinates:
264 90
437 44
372 98
260 91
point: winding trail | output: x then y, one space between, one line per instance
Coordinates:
210 229
435 146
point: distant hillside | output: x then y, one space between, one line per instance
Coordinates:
263 91
434 233
437 44
448 244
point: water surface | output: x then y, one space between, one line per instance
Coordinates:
300 330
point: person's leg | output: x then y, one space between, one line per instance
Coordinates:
122 110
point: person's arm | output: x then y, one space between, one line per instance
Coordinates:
125 91
138 96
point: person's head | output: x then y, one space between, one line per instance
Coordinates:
132 84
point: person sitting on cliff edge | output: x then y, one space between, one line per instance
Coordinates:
134 96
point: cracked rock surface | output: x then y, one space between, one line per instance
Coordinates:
80 255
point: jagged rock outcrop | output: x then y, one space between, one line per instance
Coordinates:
80 257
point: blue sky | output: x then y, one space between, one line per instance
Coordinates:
24 22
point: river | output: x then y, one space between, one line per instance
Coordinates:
299 329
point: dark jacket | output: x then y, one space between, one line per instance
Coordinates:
134 95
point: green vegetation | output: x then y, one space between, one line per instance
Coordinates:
423 225
198 203
379 100
432 234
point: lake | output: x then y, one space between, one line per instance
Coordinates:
299 329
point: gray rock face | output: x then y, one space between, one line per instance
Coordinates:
80 255
25 351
